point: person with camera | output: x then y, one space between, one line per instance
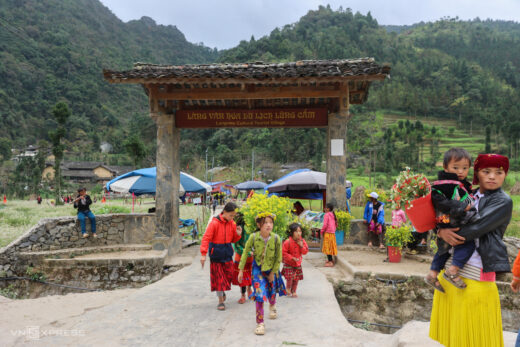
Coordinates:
82 203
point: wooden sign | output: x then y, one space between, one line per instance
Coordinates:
255 118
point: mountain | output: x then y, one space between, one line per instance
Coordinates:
462 71
453 69
55 50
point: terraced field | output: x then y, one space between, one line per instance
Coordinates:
451 135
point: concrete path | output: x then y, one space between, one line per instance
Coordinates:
180 310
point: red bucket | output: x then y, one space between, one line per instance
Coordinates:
394 254
422 214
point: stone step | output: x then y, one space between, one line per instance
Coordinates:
138 258
67 252
340 272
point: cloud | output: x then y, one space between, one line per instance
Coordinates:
224 23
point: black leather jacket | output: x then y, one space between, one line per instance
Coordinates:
495 210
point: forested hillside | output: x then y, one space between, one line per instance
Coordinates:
467 72
55 50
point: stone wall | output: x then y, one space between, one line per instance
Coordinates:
386 301
63 275
65 232
358 232
105 273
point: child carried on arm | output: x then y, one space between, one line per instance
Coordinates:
453 203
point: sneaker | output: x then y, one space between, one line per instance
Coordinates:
85 235
94 235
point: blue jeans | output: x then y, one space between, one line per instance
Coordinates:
461 255
90 215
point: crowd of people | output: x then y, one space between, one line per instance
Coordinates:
470 227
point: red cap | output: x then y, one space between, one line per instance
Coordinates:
489 160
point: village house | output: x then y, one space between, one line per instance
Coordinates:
17 155
85 172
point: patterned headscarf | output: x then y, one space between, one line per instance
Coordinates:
489 160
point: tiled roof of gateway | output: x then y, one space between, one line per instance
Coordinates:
257 71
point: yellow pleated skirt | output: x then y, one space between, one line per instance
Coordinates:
467 317
329 244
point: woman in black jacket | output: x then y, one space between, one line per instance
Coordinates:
471 316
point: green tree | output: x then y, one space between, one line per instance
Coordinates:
488 140
135 149
61 113
5 149
27 177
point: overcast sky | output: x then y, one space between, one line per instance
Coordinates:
223 23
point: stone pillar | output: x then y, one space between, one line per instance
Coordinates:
167 186
337 156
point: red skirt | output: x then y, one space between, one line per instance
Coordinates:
221 275
292 273
246 281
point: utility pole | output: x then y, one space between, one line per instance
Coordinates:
212 167
253 166
206 176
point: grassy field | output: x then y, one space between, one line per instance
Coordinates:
18 216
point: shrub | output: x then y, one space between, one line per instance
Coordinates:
343 218
34 274
398 236
259 203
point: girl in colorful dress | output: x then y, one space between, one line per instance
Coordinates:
328 233
239 252
293 249
221 232
267 280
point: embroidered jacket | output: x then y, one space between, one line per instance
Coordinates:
270 261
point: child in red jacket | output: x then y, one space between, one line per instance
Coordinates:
293 249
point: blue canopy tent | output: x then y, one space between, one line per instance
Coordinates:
248 185
303 184
300 184
142 181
